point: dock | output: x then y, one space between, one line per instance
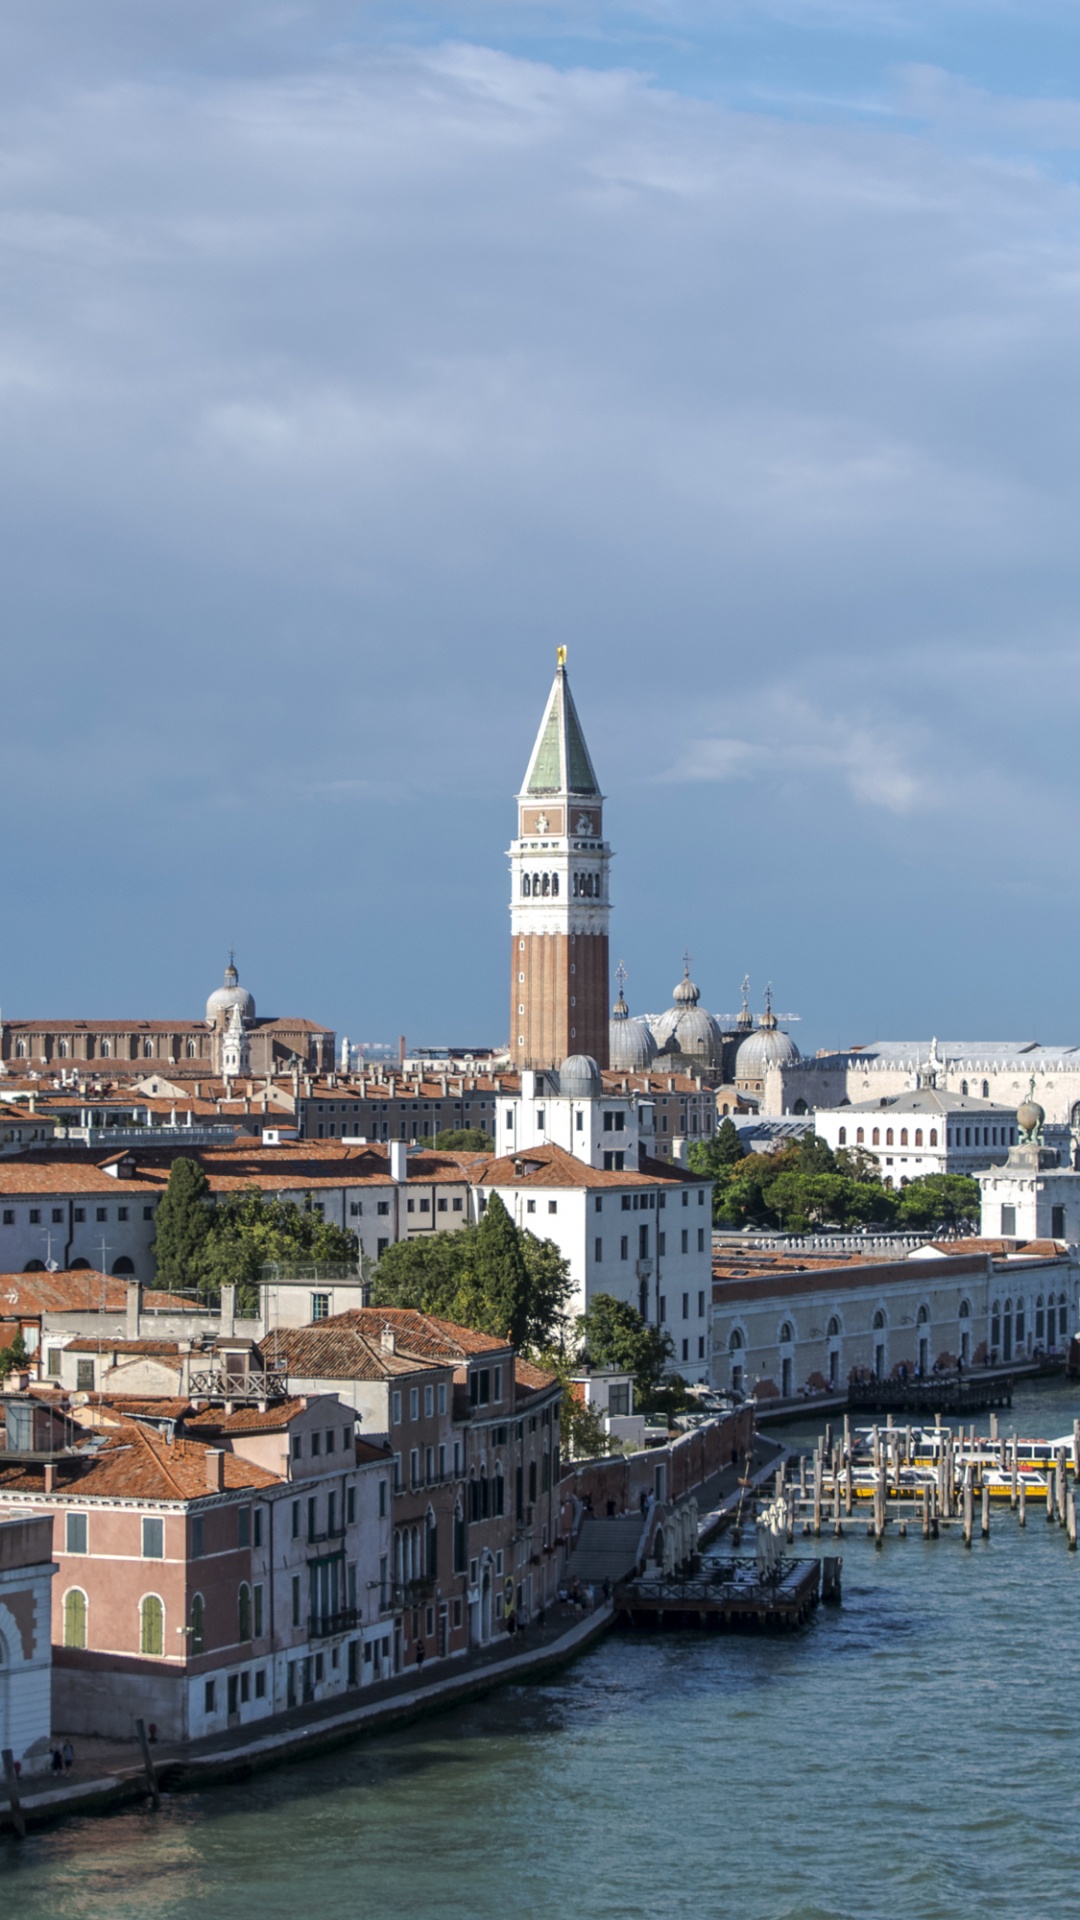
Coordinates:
968 1393
727 1596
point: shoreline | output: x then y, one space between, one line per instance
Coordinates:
287 1737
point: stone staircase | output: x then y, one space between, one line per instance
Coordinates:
606 1549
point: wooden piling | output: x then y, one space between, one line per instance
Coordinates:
817 1493
11 1780
1023 1503
926 1513
1014 1495
985 1511
1062 1478
1050 1478
1076 1448
1071 1506
993 1427
969 1515
148 1765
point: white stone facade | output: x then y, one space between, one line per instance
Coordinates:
26 1575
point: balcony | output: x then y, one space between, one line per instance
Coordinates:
220 1383
323 1626
336 1532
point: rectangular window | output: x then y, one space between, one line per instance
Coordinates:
148 1213
296 1599
320 1306
312 1518
1057 1223
643 1243
258 1536
553 1206
624 1247
296 1519
383 1500
75 1533
442 1396
260 1684
121 1213
9 1216
52 1363
662 1309
530 1206
414 1467
686 1239
243 1526
350 1504
257 1610
329 1439
701 1304
84 1376
331 1513
701 1239
382 1206
35 1216
153 1538
686 1197
458 1206
414 1403
429 1402
686 1306
496 1393
686 1349
210 1697
57 1216
297 1446
395 1409
661 1243
356 1207
197 1548
100 1213
701 1197
316 1443
598 1249
701 1347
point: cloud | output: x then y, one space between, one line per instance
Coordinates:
796 745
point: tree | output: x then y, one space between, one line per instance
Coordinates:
249 1231
613 1334
492 1277
940 1200
715 1156
183 1226
583 1433
15 1356
464 1140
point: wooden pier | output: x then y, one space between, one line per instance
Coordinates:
967 1393
728 1596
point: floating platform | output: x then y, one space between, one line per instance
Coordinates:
729 1596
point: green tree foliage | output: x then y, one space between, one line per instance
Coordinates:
464 1140
493 1277
940 1200
716 1156
182 1226
249 1230
14 1356
613 1334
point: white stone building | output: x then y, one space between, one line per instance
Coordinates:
26 1576
924 1131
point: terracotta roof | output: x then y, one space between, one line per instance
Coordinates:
423 1335
246 1162
842 1278
80 1290
272 1419
334 1350
552 1166
135 1463
534 1379
101 1343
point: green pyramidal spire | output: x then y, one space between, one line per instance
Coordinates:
560 760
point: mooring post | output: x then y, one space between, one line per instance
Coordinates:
993 1428
969 1515
1076 1448
151 1777
11 1778
1015 1473
1023 1503
985 1511
926 1513
1051 1476
828 1438
1071 1505
1061 1489
817 1493
849 1488
847 1436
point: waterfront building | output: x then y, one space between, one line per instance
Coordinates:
560 902
27 1570
787 1321
920 1132
215 1569
1032 1195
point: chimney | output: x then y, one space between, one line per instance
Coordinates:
50 1477
399 1165
134 1298
389 1340
228 1312
401 1049
215 1470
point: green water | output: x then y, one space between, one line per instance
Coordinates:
913 1754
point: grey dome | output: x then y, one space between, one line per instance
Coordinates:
631 1047
223 999
766 1047
579 1078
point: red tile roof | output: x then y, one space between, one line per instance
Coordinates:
135 1463
552 1166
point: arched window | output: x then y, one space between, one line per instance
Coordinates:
554 886
1063 1324
75 1617
933 1136
106 1049
244 1611
903 1136
20 1049
62 1049
1040 1318
526 888
860 1136
843 1136
963 1087
875 1137
432 1543
34 1266
986 1090
918 1136
148 1049
995 1324
965 1309
888 1136
924 1316
152 1626
546 885
191 1049
786 1332
197 1636
123 1267
834 1328
1020 1319
735 1342
879 1320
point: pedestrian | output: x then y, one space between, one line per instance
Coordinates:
611 1509
69 1756
541 1617
511 1621
57 1760
421 1654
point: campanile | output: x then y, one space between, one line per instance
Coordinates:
560 903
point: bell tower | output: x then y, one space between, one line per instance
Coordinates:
560 904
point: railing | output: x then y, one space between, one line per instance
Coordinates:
336 1532
219 1384
408 1592
322 1625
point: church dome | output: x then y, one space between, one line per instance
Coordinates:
768 1046
631 1047
579 1078
224 998
688 1028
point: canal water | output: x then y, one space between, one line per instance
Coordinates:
911 1756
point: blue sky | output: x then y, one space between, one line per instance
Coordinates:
352 357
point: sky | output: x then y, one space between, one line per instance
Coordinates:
354 356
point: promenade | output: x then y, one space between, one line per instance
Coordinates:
108 1773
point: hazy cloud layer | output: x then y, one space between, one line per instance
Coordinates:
342 376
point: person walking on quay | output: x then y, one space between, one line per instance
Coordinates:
56 1760
421 1655
511 1621
69 1756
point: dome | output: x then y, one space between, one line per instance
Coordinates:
579 1078
686 994
631 1047
688 1029
767 1047
232 994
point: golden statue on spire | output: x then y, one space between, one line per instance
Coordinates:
560 655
